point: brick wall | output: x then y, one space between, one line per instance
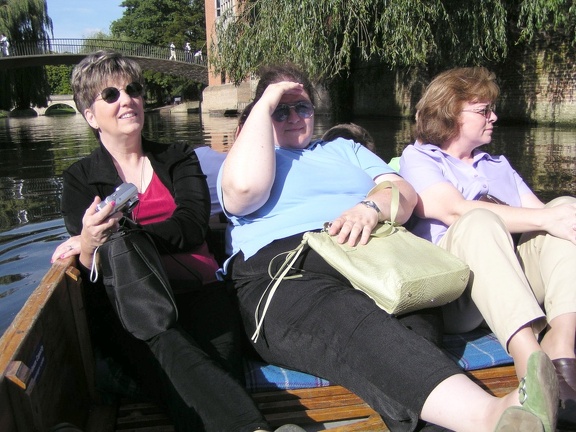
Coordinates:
537 85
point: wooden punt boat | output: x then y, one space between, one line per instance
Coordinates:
47 371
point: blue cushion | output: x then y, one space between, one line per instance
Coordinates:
262 376
477 349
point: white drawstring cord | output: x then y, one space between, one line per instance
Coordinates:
94 267
291 258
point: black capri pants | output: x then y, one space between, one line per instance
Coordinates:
319 324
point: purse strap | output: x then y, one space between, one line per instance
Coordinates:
394 202
291 257
128 226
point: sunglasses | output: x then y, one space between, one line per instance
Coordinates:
486 111
111 94
304 109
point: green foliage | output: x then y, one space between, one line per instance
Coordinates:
161 22
547 18
102 36
477 34
330 37
59 79
24 20
161 88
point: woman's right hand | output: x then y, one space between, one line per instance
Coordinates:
97 226
561 221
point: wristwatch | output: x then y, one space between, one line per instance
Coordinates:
372 205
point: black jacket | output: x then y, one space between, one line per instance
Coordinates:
176 166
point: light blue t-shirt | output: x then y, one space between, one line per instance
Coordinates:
312 186
423 165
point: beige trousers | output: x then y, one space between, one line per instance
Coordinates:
509 288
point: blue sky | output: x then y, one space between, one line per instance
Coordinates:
82 18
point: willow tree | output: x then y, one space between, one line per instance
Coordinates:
24 21
329 37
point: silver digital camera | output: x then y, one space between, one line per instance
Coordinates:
125 196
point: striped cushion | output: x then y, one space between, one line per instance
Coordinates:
477 349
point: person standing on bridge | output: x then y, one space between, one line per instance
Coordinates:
172 51
188 52
5 45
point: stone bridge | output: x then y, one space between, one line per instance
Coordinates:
56 100
71 51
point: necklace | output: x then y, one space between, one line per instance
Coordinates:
142 174
141 191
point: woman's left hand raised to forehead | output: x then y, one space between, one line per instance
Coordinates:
274 92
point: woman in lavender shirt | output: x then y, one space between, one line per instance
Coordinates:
470 203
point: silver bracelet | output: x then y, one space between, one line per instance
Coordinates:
372 205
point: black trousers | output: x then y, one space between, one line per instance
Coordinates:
319 324
194 370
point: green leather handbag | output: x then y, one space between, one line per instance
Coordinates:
401 272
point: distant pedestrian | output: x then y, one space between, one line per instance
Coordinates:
4 45
188 52
198 56
172 51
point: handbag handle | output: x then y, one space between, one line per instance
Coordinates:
394 202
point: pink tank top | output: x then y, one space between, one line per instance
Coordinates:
156 205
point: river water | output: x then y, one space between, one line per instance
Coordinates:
34 152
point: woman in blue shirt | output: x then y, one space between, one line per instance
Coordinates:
277 183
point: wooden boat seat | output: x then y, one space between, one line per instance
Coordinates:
332 407
47 369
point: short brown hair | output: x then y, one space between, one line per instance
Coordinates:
96 70
439 109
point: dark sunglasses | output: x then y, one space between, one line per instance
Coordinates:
304 109
111 94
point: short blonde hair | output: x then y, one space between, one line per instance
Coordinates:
438 111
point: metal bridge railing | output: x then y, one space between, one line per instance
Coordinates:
86 46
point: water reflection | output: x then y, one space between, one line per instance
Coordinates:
544 156
35 151
24 259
